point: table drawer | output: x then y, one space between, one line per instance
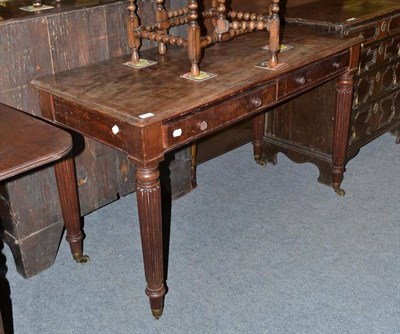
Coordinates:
312 74
204 121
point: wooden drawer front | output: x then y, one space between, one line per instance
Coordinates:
372 86
394 24
207 120
370 119
82 119
312 74
379 54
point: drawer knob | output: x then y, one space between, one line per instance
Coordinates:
301 80
203 126
256 101
336 65
383 26
381 49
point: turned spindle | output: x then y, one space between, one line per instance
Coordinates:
132 27
226 25
163 25
194 48
274 33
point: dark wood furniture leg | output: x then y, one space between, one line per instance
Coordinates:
344 98
5 296
68 193
258 138
193 169
396 133
148 193
1 325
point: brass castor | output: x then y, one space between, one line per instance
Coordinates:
259 160
157 313
80 258
338 190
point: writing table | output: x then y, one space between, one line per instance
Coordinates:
146 113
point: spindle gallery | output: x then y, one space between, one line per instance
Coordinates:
226 25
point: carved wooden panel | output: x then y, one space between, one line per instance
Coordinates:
378 54
376 84
373 117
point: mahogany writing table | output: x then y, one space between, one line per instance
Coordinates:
148 112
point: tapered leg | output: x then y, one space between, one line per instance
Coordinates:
193 152
133 31
258 138
274 33
344 97
194 48
162 18
68 193
148 192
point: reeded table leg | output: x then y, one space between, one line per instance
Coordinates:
344 97
148 192
258 138
68 193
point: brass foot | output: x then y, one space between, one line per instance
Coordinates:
80 258
157 313
338 190
260 161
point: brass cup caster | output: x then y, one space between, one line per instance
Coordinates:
80 258
338 190
157 313
260 161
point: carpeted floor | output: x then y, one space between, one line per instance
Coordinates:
252 250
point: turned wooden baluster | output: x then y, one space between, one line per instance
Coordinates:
162 20
194 47
274 33
222 25
132 28
258 138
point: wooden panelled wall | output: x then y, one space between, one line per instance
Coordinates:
51 42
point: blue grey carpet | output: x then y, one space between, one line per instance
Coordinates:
252 250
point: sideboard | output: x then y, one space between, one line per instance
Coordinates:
302 129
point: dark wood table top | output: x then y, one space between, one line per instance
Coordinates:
27 143
125 93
